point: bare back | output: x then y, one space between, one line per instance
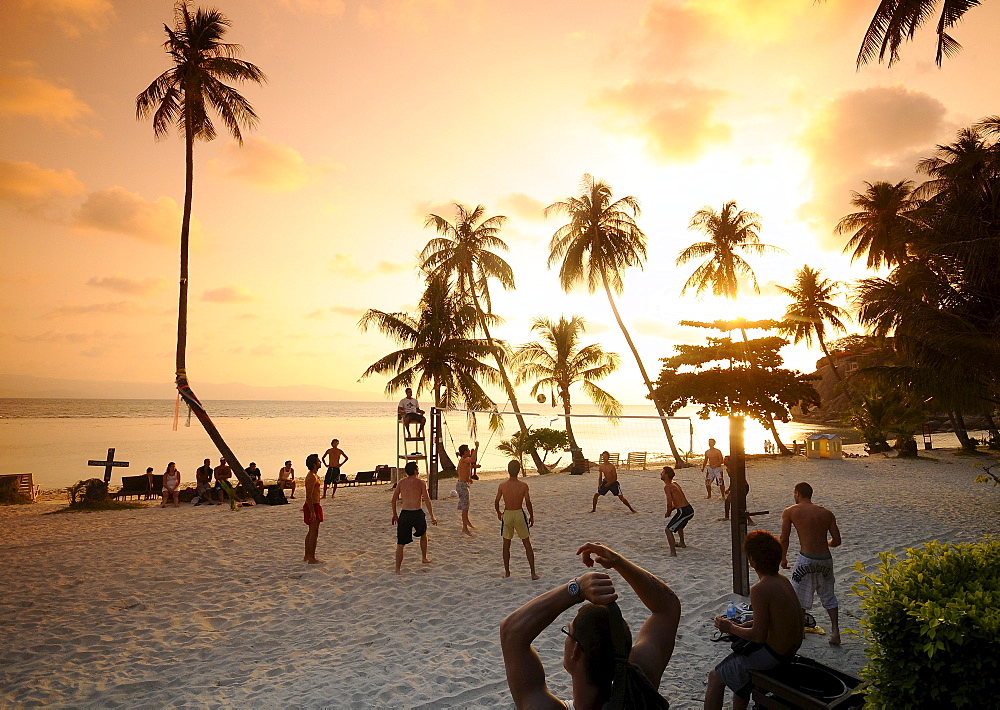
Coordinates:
778 608
513 492
812 522
410 492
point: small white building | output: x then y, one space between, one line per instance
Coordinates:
824 446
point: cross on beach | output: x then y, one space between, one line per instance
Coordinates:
108 464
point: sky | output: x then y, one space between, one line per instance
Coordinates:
377 113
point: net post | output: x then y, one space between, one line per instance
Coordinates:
432 455
738 505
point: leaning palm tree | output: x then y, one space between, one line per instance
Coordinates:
811 310
729 231
558 362
464 256
898 20
884 225
180 98
600 241
440 353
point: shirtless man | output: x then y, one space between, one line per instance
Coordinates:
814 567
677 503
713 460
312 511
222 475
286 477
607 482
513 520
203 477
776 626
411 492
333 462
466 467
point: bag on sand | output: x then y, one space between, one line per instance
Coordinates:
276 496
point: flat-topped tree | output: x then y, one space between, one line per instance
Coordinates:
728 377
595 247
180 98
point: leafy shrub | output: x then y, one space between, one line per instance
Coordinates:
90 490
9 493
932 626
544 439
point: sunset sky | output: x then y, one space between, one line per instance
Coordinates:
379 112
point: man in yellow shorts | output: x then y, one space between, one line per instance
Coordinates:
513 519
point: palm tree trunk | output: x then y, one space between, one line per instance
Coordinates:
822 346
183 388
508 387
444 460
958 422
774 432
992 426
575 450
678 459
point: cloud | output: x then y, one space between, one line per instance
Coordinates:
674 117
522 205
122 308
73 17
51 336
871 134
268 165
228 294
411 14
39 191
327 8
660 329
337 310
37 98
345 266
117 210
121 284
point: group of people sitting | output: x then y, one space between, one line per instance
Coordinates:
214 485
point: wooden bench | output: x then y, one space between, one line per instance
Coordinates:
366 477
139 486
24 483
636 461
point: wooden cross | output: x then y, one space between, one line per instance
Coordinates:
108 464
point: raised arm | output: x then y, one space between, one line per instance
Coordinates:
655 643
786 533
525 673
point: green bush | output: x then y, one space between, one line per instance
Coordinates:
91 490
932 626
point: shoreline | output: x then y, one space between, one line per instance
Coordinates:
182 606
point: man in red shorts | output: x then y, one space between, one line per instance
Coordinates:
312 511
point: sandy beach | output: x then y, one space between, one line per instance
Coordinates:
202 606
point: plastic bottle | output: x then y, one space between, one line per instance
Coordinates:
731 611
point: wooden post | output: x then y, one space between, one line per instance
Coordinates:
108 464
738 505
432 467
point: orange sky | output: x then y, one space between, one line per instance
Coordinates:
379 111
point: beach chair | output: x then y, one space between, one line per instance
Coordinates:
24 483
366 477
134 486
383 474
613 459
636 461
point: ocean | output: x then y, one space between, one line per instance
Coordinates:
54 438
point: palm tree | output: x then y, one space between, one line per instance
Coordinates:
180 98
600 241
559 362
884 225
729 231
440 353
811 310
895 21
463 255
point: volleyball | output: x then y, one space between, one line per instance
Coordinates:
541 399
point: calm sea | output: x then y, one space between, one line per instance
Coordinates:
54 438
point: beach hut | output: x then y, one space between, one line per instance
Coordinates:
824 446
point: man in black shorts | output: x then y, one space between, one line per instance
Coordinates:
411 492
334 458
607 482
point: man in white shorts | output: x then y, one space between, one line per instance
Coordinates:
714 463
813 570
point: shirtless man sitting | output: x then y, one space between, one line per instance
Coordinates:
222 475
714 462
466 467
513 520
677 503
203 477
607 482
411 492
776 628
814 567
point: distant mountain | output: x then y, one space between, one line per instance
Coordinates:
54 388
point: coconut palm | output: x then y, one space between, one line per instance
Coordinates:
898 20
558 362
884 225
600 241
181 98
811 311
729 231
464 256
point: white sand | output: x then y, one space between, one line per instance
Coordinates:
204 606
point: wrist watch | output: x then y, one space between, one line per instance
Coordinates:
573 588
